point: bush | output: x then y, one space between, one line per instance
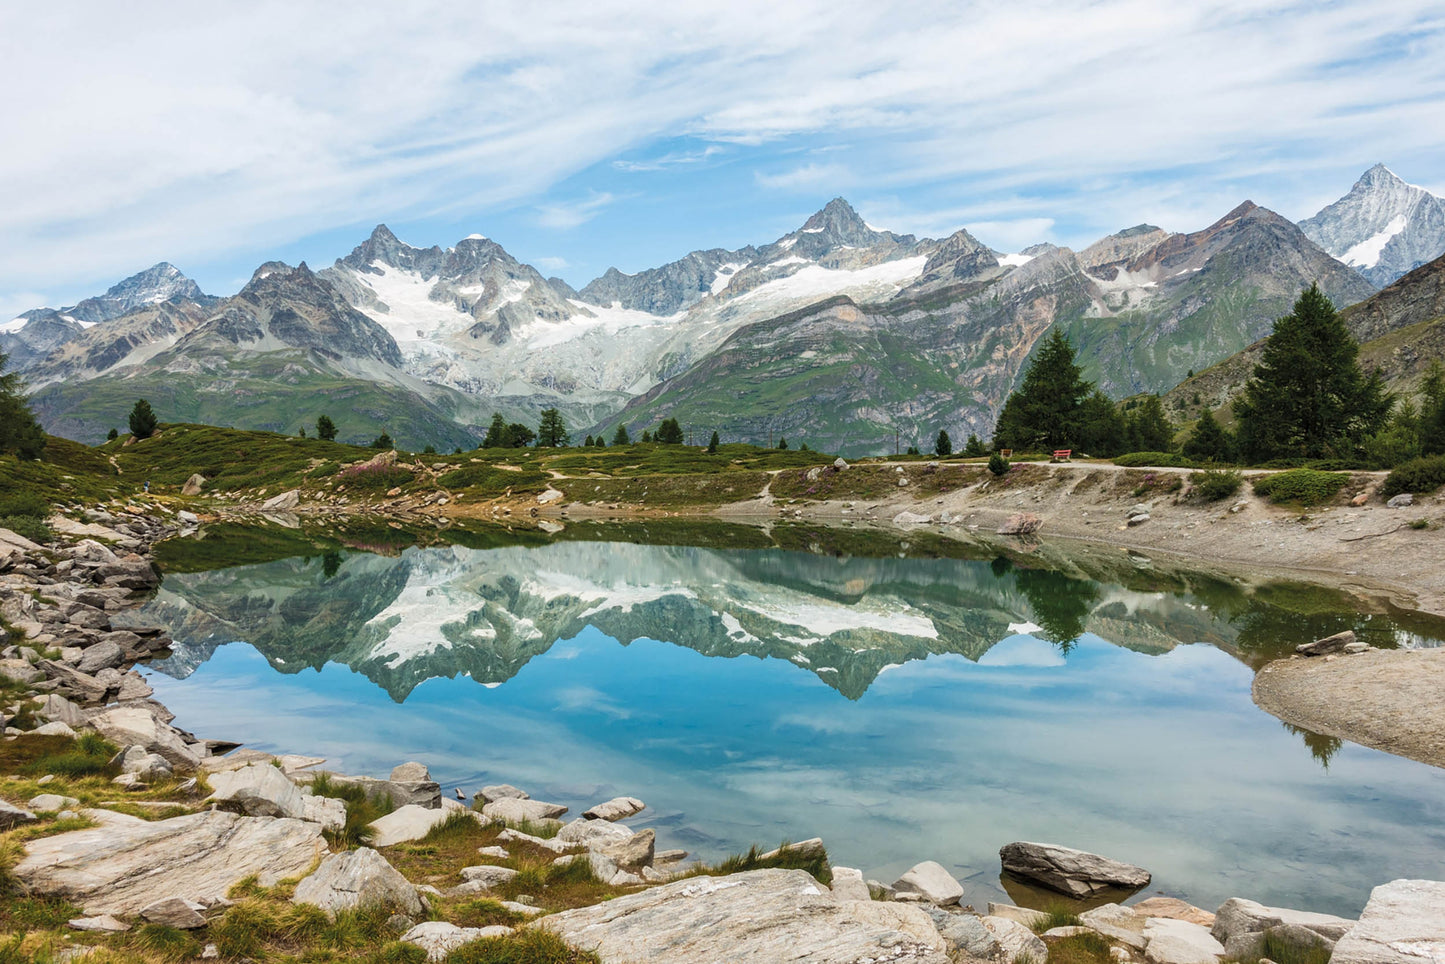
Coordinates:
1301 486
374 478
24 513
998 465
1212 485
1135 460
1416 476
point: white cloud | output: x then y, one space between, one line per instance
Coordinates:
676 159
806 177
189 133
551 264
1009 236
570 214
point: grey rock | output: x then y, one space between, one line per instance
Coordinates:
259 790
1073 872
438 938
1327 645
503 791
487 875
119 866
1239 916
101 656
1117 923
194 485
101 924
1020 524
1138 520
188 518
174 912
1169 941
630 853
516 836
359 878
281 503
411 773
810 849
516 810
1015 941
1401 501
500 853
52 802
138 725
761 915
54 729
330 812
1356 648
407 823
1025 916
964 932
839 463
12 816
585 831
848 884
618 808
1403 923
931 881
421 793
58 709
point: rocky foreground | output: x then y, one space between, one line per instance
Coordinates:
203 834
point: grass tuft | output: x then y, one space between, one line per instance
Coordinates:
537 946
1056 915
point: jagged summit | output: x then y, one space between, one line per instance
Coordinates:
1383 228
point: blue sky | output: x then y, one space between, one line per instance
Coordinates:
586 135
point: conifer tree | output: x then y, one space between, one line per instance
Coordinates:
782 443
943 447
1308 397
19 431
326 428
1209 442
974 447
1148 429
1044 412
496 436
619 437
669 432
552 431
713 443
142 420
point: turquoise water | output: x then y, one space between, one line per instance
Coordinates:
902 709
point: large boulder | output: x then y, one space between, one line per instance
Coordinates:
330 812
1170 941
618 808
412 772
258 791
931 881
121 865
964 932
1237 917
1327 645
1403 923
760 915
487 875
174 912
630 853
359 878
402 793
503 791
138 726
405 824
1073 872
281 503
194 485
587 832
12 816
515 810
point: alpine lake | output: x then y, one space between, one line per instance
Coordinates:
904 696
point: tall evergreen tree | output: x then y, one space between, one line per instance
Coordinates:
943 447
517 436
1148 429
1308 397
669 432
1209 442
1432 411
619 437
713 443
496 436
552 431
974 447
1101 429
142 420
1044 412
326 428
19 431
782 443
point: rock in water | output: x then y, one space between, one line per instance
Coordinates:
618 808
411 773
932 881
1403 923
1330 644
359 878
513 810
120 866
1073 872
760 915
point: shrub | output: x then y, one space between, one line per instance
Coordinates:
1212 485
374 478
1135 460
1301 486
1416 476
997 464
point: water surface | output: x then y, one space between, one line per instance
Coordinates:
901 708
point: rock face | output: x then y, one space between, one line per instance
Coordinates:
136 726
1020 524
930 880
1073 872
760 915
11 816
120 866
1403 923
358 878
630 853
618 808
257 791
1238 916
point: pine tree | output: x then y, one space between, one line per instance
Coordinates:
1209 442
713 443
496 436
517 436
383 441
1308 397
974 448
19 431
1432 411
326 428
1044 412
142 420
552 431
782 443
587 442
669 432
1148 429
112 435
619 437
646 437
600 442
1102 430
943 447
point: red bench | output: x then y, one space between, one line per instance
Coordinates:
1062 455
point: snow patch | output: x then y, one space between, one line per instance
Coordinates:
815 281
11 327
1367 253
787 243
724 276
1015 260
475 237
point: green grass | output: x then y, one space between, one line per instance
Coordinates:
361 809
164 943
1080 949
489 482
1301 486
1055 915
532 946
786 858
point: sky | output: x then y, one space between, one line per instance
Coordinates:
587 135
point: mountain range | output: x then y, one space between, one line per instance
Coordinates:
838 333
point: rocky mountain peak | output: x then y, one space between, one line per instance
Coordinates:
159 283
1383 228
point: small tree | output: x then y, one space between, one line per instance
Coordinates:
619 437
669 432
142 420
1147 427
943 447
325 428
587 442
600 442
552 431
302 432
782 444
382 441
1431 422
1209 442
646 437
112 435
997 464
518 436
713 443
496 437
19 431
974 448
